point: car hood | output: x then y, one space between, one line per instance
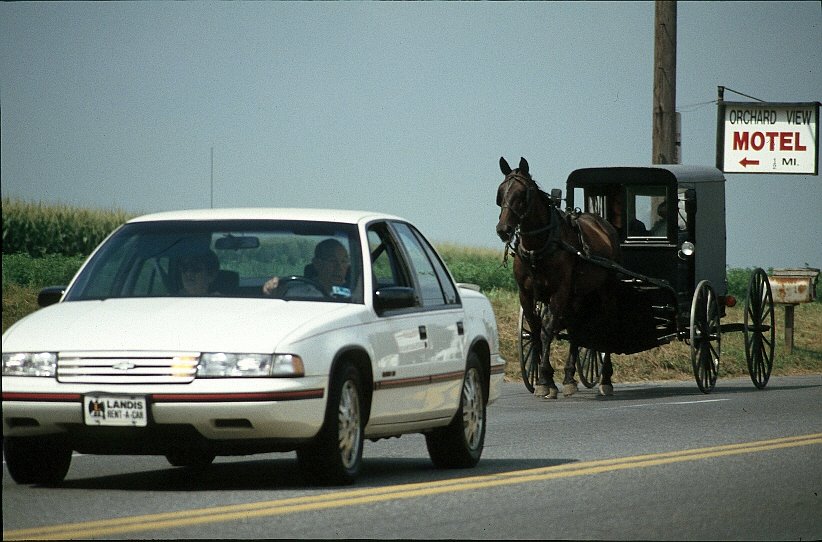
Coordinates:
176 324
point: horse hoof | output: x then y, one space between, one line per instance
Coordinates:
541 390
569 389
606 390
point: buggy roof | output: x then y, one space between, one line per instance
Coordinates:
655 174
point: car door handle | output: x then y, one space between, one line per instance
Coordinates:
460 328
423 333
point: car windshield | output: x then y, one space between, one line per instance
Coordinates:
300 260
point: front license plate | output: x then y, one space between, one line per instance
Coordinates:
129 410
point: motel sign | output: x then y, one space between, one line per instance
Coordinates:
761 137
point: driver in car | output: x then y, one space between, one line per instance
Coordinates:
329 269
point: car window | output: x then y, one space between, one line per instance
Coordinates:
386 265
151 277
231 259
448 288
431 291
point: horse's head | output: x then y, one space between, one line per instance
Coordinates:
514 197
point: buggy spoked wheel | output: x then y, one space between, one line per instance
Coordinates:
705 336
529 368
759 328
589 366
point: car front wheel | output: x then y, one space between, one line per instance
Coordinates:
37 460
459 444
335 455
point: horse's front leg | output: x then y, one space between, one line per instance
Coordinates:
546 388
569 385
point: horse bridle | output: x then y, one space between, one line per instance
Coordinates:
530 187
529 256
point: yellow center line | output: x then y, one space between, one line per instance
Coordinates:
340 499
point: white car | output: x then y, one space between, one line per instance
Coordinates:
199 333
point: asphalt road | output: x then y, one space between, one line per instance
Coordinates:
656 461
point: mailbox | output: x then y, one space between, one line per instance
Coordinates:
791 286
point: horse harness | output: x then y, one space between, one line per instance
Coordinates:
554 240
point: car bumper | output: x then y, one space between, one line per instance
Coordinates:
497 377
252 409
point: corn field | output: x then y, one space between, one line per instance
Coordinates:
39 229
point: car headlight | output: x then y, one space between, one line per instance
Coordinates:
29 364
223 364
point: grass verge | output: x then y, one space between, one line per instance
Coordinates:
673 361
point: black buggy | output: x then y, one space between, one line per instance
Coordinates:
672 280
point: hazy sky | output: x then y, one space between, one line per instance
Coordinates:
396 107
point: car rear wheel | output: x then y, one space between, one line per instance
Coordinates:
335 455
37 460
190 458
460 443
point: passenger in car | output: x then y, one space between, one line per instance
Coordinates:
329 268
198 273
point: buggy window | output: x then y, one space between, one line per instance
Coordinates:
646 210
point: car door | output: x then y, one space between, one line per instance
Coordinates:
398 338
442 322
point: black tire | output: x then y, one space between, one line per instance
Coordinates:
37 460
528 368
589 366
460 443
334 457
705 336
198 459
759 328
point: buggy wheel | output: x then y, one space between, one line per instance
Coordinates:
527 358
759 328
589 366
705 336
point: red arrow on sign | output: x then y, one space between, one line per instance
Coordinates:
745 162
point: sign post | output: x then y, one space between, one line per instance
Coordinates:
762 137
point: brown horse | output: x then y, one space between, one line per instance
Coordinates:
548 245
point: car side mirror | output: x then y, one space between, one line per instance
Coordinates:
394 297
50 295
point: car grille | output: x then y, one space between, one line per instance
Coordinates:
127 367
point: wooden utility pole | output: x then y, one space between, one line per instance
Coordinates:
664 129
